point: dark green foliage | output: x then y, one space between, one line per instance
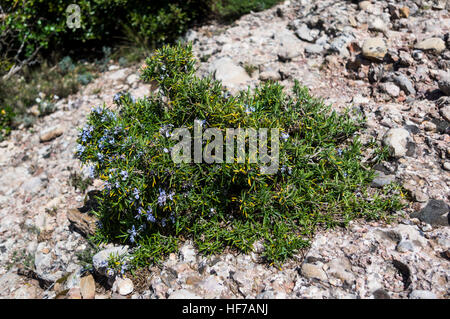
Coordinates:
151 202
30 25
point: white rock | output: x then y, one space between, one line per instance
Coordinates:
422 294
434 44
374 48
228 72
313 272
188 253
183 294
124 286
396 140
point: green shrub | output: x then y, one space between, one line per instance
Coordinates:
29 25
150 202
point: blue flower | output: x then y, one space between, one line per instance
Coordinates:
92 172
117 97
162 197
100 157
284 136
80 149
136 193
339 151
133 234
98 110
249 109
124 175
150 217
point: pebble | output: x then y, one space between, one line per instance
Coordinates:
313 272
124 286
432 44
374 49
397 140
404 83
87 287
434 213
422 294
51 134
405 246
226 70
390 88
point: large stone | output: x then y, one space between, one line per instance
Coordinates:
304 33
124 286
82 221
390 88
365 6
289 46
51 134
341 269
378 24
434 213
312 271
374 49
87 287
225 70
404 83
381 179
398 140
187 253
119 75
432 44
422 294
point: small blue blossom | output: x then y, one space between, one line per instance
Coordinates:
136 193
150 217
92 172
133 233
98 110
339 152
284 136
124 175
249 109
162 197
80 149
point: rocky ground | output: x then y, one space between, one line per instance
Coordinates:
389 60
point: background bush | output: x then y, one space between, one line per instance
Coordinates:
27 25
34 34
150 202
